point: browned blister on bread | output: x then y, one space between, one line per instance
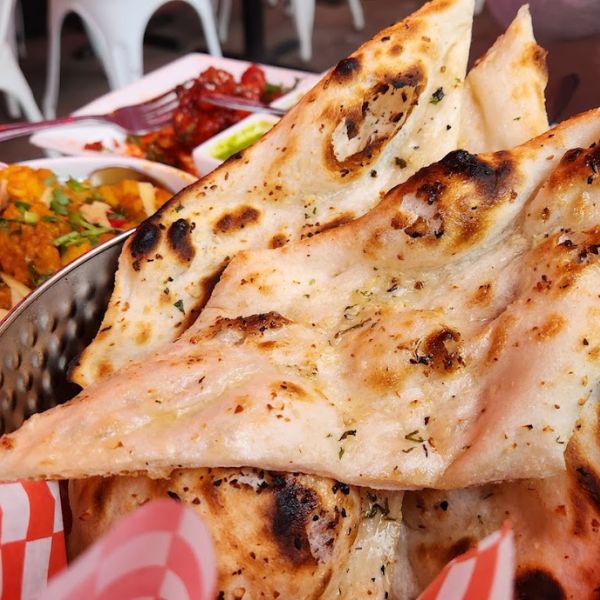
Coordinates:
278 535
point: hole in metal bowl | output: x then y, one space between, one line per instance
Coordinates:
37 360
46 383
28 336
32 404
12 360
91 293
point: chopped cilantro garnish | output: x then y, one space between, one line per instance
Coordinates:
68 239
76 186
50 219
22 206
414 436
72 238
437 96
30 217
59 202
179 306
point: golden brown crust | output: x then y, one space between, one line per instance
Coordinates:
277 535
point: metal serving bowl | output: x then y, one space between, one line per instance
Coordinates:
50 328
43 334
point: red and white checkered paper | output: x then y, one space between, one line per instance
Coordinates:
32 543
164 551
484 572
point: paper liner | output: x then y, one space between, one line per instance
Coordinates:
486 571
32 544
163 550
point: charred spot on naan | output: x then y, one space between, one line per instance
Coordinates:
240 218
360 131
440 211
441 350
179 238
577 163
248 326
573 253
346 69
288 517
459 547
588 480
279 240
534 584
483 295
143 242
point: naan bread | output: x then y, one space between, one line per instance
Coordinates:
374 563
387 110
445 339
504 92
556 522
278 535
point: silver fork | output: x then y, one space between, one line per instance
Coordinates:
135 119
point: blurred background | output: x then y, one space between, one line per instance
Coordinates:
568 29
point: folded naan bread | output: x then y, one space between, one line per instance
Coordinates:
278 535
387 110
504 92
556 522
444 339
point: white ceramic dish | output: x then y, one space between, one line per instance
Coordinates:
71 140
79 167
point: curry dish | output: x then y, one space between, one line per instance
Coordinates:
46 223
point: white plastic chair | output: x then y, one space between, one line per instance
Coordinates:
303 12
116 29
12 80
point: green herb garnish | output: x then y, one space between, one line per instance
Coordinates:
437 96
414 436
179 306
59 202
30 217
22 206
76 186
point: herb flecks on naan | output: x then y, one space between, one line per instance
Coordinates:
556 522
279 535
378 116
433 342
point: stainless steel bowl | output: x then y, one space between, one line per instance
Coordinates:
42 335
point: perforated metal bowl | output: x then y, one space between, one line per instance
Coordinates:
50 328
